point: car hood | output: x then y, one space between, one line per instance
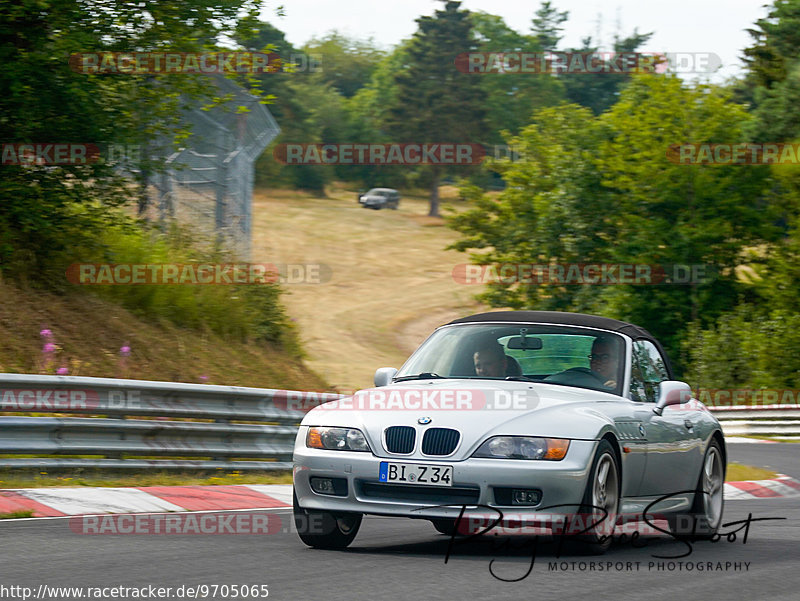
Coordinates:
478 409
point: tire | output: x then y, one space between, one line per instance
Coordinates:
705 516
602 490
325 529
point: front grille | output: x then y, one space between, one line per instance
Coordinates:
443 495
400 439
440 441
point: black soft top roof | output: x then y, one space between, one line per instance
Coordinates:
560 317
569 319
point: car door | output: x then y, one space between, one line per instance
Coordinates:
673 446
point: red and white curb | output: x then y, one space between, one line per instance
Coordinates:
50 502
56 502
782 486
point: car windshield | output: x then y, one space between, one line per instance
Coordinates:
378 192
554 354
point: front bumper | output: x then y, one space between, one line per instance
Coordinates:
475 482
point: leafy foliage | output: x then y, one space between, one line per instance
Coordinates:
239 312
601 190
49 210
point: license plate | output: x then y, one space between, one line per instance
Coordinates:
415 473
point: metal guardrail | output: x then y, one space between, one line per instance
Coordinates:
117 441
199 426
759 420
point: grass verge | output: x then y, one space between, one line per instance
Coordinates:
738 472
14 515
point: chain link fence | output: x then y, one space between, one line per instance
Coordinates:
208 183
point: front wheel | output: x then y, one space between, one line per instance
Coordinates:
600 506
325 529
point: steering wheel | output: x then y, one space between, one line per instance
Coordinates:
586 370
583 377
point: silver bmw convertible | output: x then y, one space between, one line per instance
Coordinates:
564 421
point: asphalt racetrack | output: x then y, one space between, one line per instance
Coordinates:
405 559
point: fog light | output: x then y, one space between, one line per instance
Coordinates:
322 486
525 497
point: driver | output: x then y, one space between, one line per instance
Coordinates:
490 361
604 359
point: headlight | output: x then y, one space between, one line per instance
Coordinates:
523 447
336 439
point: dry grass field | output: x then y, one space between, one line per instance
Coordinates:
391 279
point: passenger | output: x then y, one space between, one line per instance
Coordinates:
490 361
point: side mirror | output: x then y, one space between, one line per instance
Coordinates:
384 375
671 392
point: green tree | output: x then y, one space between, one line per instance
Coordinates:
434 102
546 26
776 45
553 210
511 98
772 82
263 36
680 214
601 189
346 64
599 91
371 104
49 215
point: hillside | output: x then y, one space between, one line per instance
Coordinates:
90 332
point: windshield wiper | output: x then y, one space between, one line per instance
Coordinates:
426 375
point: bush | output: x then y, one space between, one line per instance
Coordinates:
746 348
240 312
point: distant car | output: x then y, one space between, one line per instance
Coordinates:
378 198
580 417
